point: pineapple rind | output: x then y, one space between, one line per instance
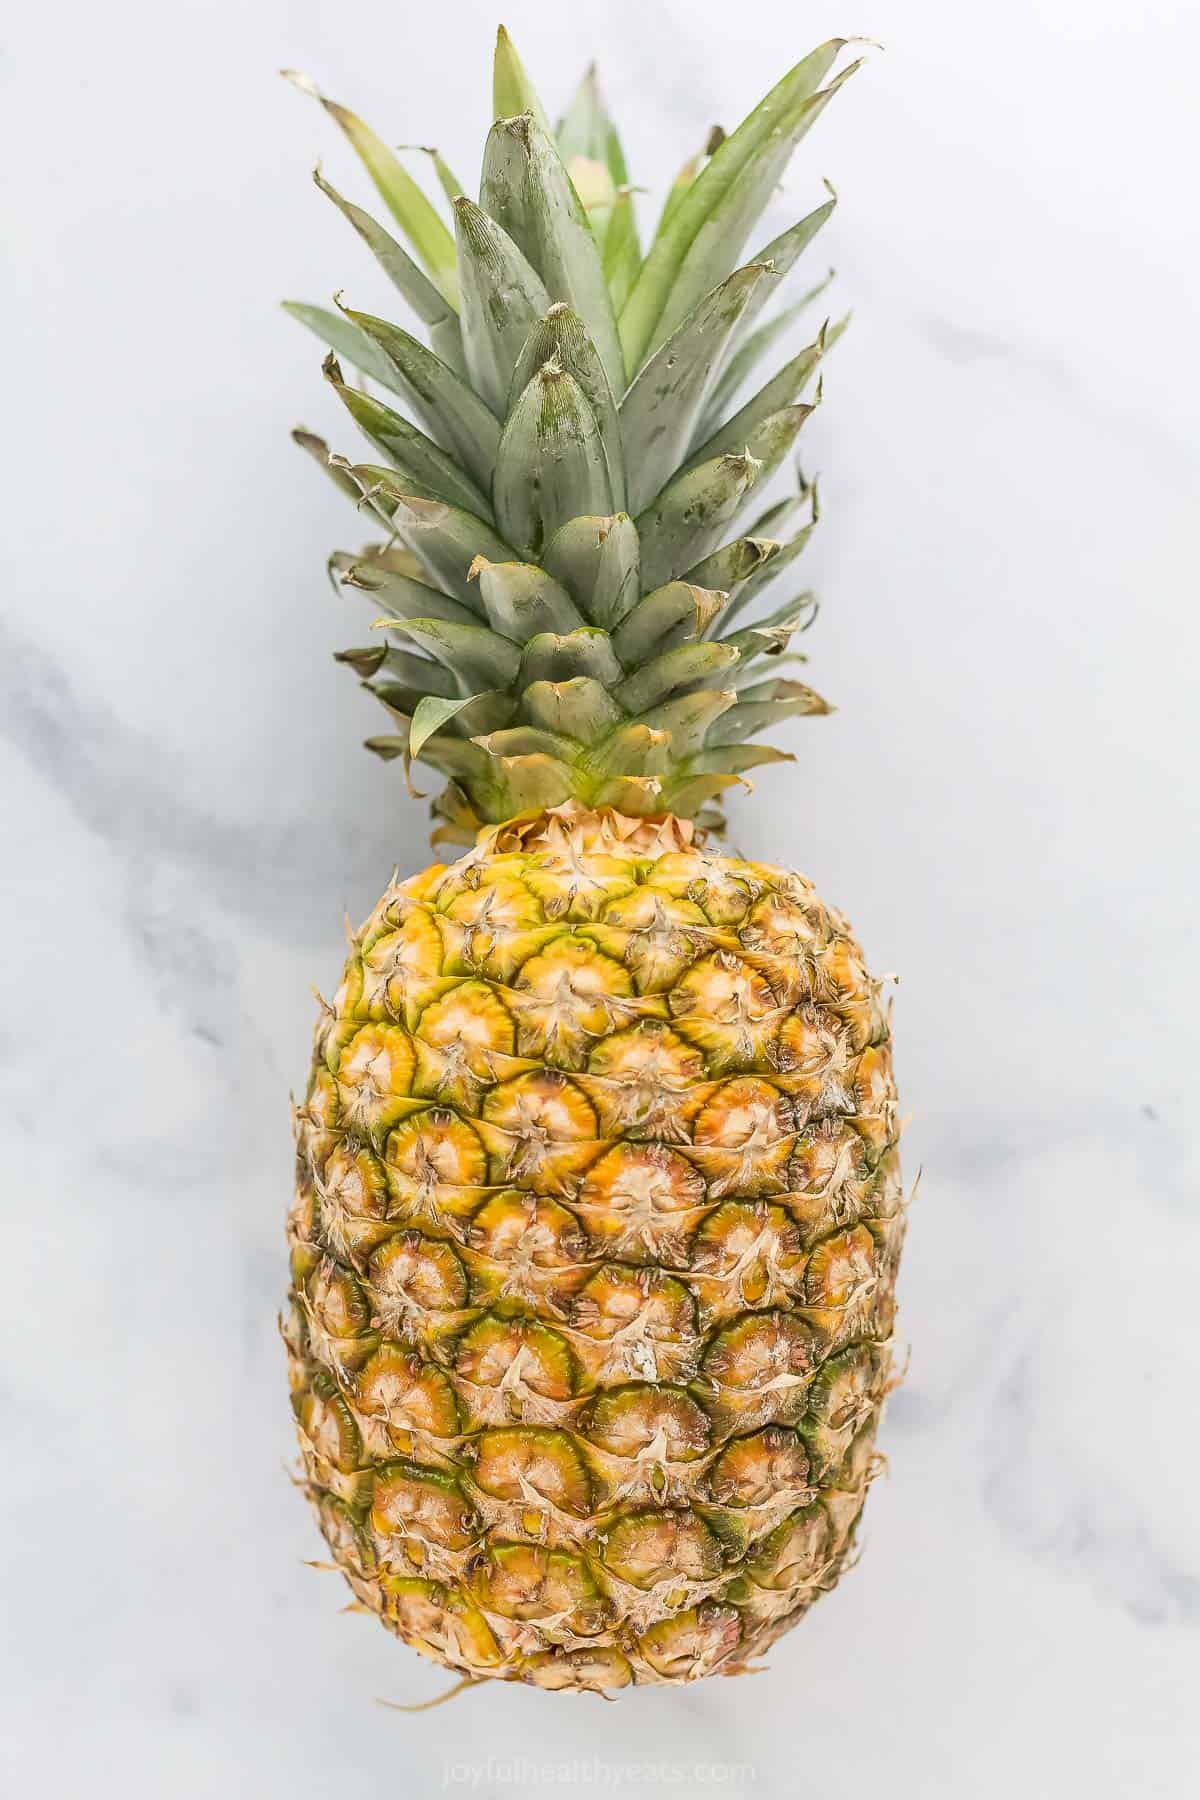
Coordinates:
593 1250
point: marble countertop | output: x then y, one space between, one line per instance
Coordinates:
1002 803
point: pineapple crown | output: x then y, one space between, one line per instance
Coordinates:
566 548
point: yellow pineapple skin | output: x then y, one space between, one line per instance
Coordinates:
593 1254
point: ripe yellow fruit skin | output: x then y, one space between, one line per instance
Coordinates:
593 1254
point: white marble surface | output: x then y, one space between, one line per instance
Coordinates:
1004 802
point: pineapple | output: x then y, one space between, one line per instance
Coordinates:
598 1205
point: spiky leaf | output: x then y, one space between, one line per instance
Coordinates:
405 201
503 298
527 190
663 293
426 469
427 301
561 338
551 465
454 413
660 411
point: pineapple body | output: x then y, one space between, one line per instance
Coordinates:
593 1253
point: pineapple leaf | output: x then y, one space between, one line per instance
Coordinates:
735 758
528 740
338 473
671 614
791 700
454 413
722 236
413 212
527 190
586 129
534 783
406 598
691 514
399 669
477 657
427 301
659 413
447 180
520 600
686 797
675 193
427 470
675 669
561 338
754 146
731 567
786 554
551 465
512 90
636 749
598 561
622 253
781 391
751 352
771 636
784 251
430 715
581 707
689 719
344 337
445 539
502 300
586 652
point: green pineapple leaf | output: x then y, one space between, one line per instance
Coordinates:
660 410
520 600
760 146
720 239
344 337
413 212
781 391
688 719
586 129
502 300
426 469
690 516
786 700
447 180
445 539
551 465
456 416
581 707
672 614
674 669
512 90
318 449
588 652
622 254
735 564
527 191
675 194
598 561
750 353
427 301
430 715
562 339
785 556
478 658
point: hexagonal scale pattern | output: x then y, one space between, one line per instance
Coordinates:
593 1254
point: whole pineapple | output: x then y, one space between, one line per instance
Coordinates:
598 1206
